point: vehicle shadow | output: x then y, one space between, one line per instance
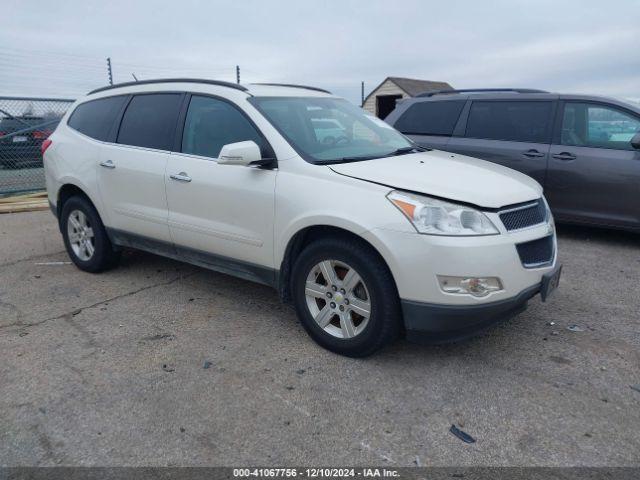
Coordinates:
597 234
214 287
510 338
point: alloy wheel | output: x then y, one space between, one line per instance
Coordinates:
338 299
81 237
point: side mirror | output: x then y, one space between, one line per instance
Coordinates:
635 141
241 153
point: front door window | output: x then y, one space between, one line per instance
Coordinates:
599 126
211 124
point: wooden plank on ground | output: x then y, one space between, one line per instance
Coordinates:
24 203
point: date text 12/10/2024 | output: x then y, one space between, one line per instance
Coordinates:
315 472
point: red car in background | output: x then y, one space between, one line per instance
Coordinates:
21 138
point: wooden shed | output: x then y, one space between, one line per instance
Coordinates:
382 99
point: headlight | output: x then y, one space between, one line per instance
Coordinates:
437 217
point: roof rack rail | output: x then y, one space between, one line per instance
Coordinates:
306 87
481 90
172 80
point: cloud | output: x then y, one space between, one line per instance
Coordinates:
587 46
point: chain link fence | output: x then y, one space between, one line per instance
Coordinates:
24 124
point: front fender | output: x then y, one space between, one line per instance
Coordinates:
315 219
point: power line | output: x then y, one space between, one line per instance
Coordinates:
42 71
40 60
38 64
45 53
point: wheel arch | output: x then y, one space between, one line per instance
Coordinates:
68 190
305 236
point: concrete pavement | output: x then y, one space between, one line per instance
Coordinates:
108 370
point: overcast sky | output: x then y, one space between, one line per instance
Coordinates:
59 48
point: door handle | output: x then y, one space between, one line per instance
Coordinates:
180 177
108 164
533 153
564 156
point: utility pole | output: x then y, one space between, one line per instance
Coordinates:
362 94
237 73
109 70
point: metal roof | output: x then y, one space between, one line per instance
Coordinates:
414 86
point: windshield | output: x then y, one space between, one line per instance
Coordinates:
331 130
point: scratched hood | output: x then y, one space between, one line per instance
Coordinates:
447 175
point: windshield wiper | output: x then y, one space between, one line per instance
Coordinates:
411 149
399 151
355 159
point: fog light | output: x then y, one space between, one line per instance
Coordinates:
476 286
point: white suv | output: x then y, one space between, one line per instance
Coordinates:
369 235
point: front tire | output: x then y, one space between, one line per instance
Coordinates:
345 296
85 237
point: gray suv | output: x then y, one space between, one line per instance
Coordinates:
584 150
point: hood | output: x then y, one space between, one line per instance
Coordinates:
449 176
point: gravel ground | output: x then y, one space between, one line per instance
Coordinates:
109 370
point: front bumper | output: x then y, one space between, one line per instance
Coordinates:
429 323
434 316
433 323
416 260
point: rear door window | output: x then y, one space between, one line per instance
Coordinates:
596 125
95 118
211 124
430 118
150 121
517 121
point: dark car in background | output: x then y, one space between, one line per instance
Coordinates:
21 138
584 150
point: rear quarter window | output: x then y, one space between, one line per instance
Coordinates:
430 118
95 118
518 121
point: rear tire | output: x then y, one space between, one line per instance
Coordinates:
85 237
354 312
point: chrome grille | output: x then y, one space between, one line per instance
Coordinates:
524 216
536 253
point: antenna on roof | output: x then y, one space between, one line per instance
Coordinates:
134 76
